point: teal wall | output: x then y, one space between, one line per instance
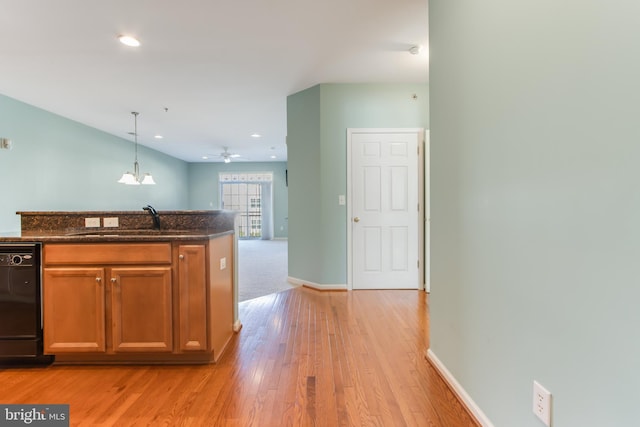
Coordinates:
59 164
317 122
535 146
303 158
204 190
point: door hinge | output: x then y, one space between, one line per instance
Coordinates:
418 263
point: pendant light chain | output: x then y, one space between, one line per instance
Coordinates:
135 132
136 165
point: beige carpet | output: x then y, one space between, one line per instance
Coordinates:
262 268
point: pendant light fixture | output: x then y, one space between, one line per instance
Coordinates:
134 178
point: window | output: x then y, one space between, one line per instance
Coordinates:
244 192
256 227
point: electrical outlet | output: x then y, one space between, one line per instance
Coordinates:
110 222
92 222
223 263
542 403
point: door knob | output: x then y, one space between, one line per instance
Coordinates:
356 219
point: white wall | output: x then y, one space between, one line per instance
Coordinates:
535 142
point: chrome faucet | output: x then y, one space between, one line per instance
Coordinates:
154 214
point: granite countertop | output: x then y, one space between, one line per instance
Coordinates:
125 226
103 236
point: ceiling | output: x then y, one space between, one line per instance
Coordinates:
208 73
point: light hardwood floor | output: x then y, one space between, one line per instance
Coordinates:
303 358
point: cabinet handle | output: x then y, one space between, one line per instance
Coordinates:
113 280
98 279
181 256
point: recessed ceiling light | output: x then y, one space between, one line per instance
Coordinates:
273 157
129 41
158 137
204 157
255 135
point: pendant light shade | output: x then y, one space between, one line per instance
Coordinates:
148 180
128 178
133 178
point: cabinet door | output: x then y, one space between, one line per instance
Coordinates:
141 309
193 297
73 310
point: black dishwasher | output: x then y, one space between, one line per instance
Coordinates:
20 304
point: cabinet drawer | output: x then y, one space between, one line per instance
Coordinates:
106 253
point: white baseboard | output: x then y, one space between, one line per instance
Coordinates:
323 287
460 392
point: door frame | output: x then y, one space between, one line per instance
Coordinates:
423 194
427 209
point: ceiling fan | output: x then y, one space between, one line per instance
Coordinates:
227 156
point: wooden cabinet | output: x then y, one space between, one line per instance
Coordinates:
221 266
81 300
74 310
141 315
138 302
205 284
192 288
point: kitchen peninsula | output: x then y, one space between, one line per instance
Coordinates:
131 287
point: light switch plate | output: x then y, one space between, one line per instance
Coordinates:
92 222
223 263
110 222
341 199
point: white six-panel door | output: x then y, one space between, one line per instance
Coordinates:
384 209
